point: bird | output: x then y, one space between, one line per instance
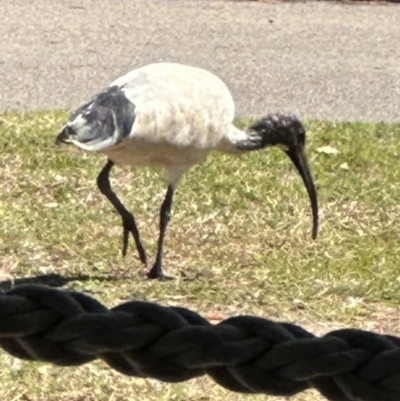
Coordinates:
171 116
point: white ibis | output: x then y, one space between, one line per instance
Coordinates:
171 116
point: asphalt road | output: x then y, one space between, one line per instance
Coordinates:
319 59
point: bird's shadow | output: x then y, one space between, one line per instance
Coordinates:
50 280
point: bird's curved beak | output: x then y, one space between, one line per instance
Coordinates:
299 159
64 136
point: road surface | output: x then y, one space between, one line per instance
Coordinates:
321 60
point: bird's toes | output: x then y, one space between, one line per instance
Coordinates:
142 254
158 274
161 277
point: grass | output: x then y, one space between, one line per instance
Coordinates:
239 242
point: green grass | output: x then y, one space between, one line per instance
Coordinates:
239 242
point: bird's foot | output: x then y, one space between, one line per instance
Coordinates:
129 225
157 273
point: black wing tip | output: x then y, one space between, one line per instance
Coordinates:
63 136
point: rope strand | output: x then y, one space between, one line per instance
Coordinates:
172 344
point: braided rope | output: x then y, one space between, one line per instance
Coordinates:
243 354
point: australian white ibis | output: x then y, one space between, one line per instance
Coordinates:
172 116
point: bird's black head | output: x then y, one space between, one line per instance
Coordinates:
287 132
282 130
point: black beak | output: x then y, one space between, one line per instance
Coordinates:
299 159
64 136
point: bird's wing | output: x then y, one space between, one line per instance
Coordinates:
161 103
176 104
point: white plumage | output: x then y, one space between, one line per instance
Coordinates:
172 116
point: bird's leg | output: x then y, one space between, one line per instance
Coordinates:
156 270
128 221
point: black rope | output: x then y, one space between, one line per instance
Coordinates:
243 354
